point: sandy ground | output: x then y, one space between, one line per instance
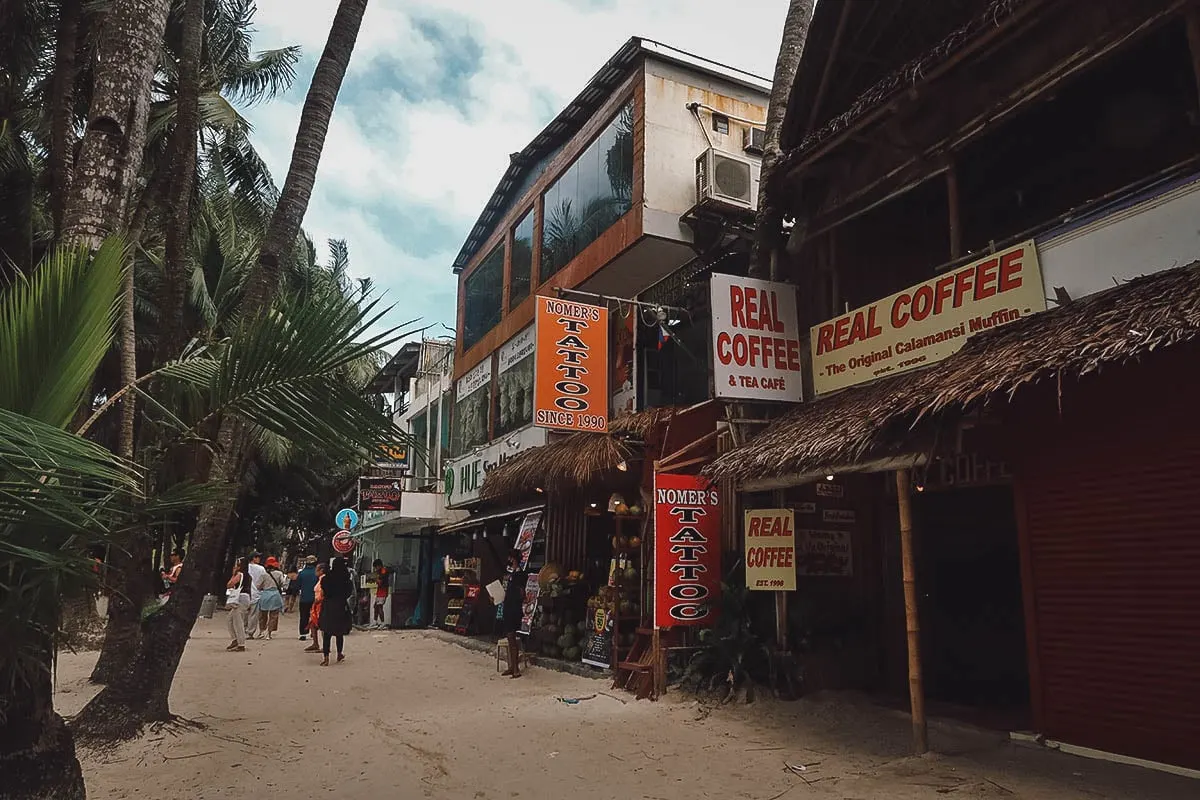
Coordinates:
408 716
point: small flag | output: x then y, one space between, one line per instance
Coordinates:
663 336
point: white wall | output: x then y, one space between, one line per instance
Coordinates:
674 139
1154 235
432 384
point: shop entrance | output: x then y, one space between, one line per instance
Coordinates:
972 615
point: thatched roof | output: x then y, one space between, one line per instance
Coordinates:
994 14
880 419
577 460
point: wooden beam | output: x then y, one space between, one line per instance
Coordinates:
1192 20
823 86
968 102
885 109
687 448
955 206
912 618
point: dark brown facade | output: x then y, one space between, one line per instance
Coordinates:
1109 499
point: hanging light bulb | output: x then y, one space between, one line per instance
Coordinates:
622 466
828 477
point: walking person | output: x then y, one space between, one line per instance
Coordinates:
270 597
383 580
512 611
306 584
256 571
237 600
314 614
336 590
291 592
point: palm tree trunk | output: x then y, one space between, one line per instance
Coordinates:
306 154
183 171
141 693
127 50
63 100
37 753
128 586
768 222
111 156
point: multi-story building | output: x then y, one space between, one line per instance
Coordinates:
418 378
644 181
654 162
996 248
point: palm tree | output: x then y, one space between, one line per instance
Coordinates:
141 694
768 222
55 326
194 128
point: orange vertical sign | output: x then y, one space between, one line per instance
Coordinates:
571 366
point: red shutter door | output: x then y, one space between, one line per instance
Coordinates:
1111 494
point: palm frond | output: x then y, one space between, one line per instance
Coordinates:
55 327
265 77
283 373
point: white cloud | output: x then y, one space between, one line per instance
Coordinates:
407 168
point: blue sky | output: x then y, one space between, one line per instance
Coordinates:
440 92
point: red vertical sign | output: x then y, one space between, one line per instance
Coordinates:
687 551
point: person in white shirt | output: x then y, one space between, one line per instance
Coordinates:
257 571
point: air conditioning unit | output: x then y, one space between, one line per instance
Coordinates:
726 179
754 140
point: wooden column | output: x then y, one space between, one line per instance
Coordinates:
953 203
912 621
1193 36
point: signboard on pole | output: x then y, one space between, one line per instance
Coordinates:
927 322
529 605
687 550
379 494
524 543
394 456
756 340
597 648
770 550
571 371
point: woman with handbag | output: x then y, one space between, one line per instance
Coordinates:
336 588
270 597
314 616
237 600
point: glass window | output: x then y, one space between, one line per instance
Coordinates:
522 260
420 457
481 305
514 397
445 429
594 192
472 407
435 456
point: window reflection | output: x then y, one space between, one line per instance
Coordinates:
594 192
522 260
483 293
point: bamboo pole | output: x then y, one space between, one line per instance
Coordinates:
912 622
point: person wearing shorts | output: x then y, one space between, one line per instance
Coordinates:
383 580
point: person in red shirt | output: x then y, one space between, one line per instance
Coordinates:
383 580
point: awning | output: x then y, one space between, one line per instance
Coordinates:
896 416
574 461
480 519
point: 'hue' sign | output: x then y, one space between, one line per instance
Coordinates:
771 550
927 322
571 366
756 339
687 551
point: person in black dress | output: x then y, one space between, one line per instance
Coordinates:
510 621
334 622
